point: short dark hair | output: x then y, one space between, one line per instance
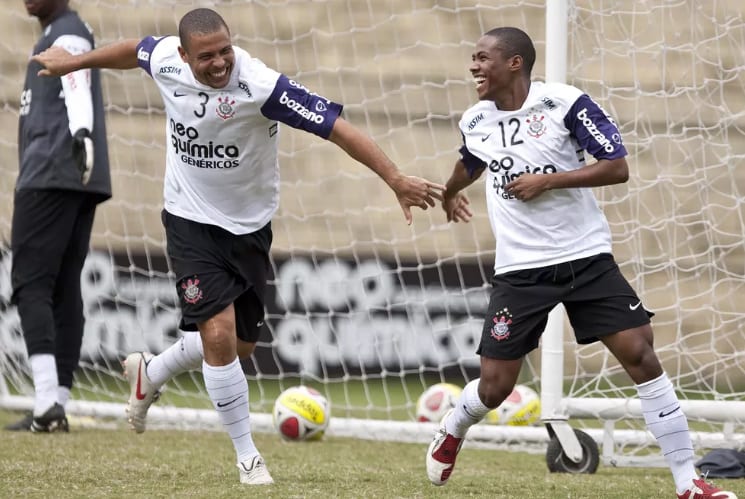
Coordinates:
199 21
514 41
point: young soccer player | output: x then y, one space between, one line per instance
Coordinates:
221 190
553 245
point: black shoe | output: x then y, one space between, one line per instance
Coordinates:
21 425
52 420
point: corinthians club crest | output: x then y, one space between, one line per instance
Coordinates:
501 329
225 109
536 126
192 293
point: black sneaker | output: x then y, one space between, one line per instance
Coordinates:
21 425
52 420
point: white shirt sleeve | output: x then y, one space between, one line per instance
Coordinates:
76 86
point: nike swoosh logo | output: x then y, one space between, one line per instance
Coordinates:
220 404
176 93
663 414
260 323
465 409
138 392
484 139
634 307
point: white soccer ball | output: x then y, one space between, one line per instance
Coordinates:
301 413
521 408
436 400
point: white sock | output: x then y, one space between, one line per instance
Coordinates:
468 411
186 354
228 390
44 373
666 421
63 395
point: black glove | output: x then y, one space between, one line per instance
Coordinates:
82 153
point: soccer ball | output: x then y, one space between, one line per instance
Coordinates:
301 413
436 400
521 408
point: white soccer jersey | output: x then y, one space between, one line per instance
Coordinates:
548 134
221 151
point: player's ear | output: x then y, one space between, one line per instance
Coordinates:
182 53
516 63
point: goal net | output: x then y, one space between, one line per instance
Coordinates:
371 311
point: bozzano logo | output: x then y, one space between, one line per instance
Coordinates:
297 107
594 131
143 54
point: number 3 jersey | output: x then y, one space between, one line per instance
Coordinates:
221 151
549 133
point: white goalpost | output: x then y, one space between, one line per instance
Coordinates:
371 311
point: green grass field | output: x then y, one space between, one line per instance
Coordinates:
98 463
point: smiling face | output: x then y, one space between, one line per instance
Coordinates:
210 57
493 71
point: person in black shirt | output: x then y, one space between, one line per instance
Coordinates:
63 176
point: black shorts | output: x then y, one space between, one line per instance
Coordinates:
598 299
215 268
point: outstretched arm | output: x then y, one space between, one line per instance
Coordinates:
454 202
119 55
410 191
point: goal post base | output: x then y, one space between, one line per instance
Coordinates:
564 433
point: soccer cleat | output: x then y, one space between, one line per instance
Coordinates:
142 393
254 472
704 490
22 424
441 454
51 421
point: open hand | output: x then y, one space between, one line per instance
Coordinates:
457 208
416 191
